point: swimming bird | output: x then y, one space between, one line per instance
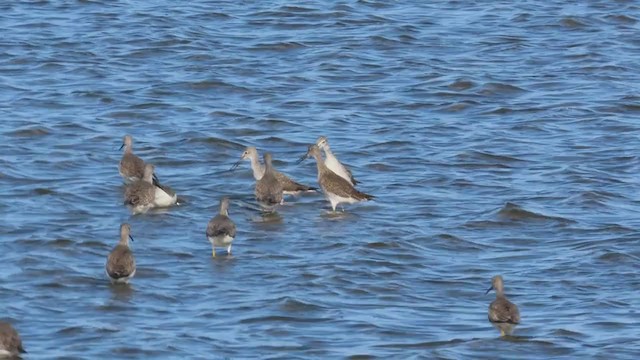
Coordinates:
336 189
121 265
221 230
131 167
268 189
332 162
10 342
164 195
289 186
140 195
503 314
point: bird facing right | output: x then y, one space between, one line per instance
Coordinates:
121 265
10 342
221 230
503 314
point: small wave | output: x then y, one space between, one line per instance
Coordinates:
461 84
279 46
43 191
571 22
30 132
512 211
489 89
616 257
293 305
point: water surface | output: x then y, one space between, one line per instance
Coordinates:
498 137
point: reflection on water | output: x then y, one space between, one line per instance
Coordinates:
497 139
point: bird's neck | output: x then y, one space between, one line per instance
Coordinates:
258 169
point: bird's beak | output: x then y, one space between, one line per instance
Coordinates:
131 237
234 166
121 146
302 158
491 288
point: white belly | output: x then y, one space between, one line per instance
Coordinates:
162 199
122 280
335 199
220 241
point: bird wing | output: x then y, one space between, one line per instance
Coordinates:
333 183
139 193
121 262
221 225
269 190
131 165
504 311
290 185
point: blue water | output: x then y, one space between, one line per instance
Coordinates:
498 137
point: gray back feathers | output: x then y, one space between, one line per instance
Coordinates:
221 225
121 263
268 188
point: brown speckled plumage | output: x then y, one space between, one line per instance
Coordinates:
503 314
335 188
121 264
141 193
268 189
131 167
288 186
10 341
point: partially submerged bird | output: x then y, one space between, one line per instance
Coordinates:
164 195
121 265
289 186
332 162
268 189
221 230
503 314
141 194
336 189
10 342
131 169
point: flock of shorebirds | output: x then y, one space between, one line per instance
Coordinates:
144 191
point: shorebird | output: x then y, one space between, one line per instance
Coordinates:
221 230
164 196
336 189
289 187
10 342
332 162
268 189
131 167
140 195
121 265
503 314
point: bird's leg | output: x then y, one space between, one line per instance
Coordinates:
229 250
213 251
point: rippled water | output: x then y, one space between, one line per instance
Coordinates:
498 137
